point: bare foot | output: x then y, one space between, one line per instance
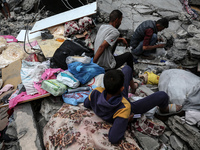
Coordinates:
134 88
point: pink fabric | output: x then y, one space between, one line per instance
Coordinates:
6 88
34 43
20 98
9 38
48 74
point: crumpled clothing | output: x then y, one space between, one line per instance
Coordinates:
84 24
20 98
31 72
149 127
6 88
71 27
48 74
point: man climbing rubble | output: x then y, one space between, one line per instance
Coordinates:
144 39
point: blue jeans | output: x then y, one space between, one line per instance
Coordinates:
145 104
139 50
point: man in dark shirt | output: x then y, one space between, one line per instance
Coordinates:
112 104
144 39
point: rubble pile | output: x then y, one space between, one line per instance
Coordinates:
182 51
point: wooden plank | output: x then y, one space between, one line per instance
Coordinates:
49 46
61 18
3 118
11 74
29 100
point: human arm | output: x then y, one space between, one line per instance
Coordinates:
153 47
117 131
87 103
146 43
123 40
100 50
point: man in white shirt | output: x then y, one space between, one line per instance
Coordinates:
105 44
106 41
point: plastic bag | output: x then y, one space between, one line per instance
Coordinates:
68 79
84 60
75 98
54 87
97 81
181 86
85 72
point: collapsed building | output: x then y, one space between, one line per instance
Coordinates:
182 51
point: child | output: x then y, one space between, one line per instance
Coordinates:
112 103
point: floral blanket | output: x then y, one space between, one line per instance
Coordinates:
78 128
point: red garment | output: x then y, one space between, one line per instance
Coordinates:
148 35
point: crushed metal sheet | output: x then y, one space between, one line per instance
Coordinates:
61 18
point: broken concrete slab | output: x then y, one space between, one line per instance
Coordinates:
61 18
189 134
147 142
50 106
176 142
26 126
181 44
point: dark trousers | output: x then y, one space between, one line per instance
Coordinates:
124 58
145 104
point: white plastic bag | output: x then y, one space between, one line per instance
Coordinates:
68 79
84 60
181 86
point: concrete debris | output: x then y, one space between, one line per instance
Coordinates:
182 50
189 134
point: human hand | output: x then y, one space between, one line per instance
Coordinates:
125 42
161 45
